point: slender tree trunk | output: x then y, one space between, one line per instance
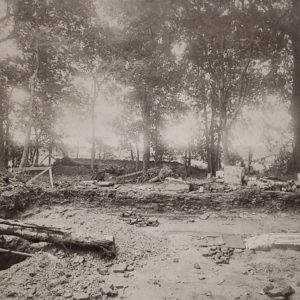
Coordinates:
25 153
218 152
207 140
37 156
189 161
146 110
50 155
137 161
225 142
212 142
93 101
295 105
30 121
156 152
2 147
131 153
7 132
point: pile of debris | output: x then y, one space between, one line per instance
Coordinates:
272 184
221 255
132 218
94 184
102 173
7 183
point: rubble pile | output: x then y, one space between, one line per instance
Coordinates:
273 184
221 255
7 183
132 218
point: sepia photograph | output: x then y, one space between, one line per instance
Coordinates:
150 149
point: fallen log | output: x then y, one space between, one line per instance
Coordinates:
132 176
35 233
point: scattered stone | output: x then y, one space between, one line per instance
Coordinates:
103 271
11 294
68 295
130 268
132 218
81 296
109 291
120 268
204 216
78 259
202 278
221 255
176 260
197 266
268 288
152 222
285 292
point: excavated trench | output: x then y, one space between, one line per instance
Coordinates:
14 248
9 259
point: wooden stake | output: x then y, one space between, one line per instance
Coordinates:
15 252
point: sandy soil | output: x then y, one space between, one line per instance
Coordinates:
161 258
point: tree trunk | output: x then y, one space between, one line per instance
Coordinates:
207 140
225 142
37 156
30 121
212 142
218 152
146 131
295 105
93 101
2 147
137 161
189 161
36 233
25 153
50 155
131 153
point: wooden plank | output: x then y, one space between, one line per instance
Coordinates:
38 175
15 252
51 177
29 169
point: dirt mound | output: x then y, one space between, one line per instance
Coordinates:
64 272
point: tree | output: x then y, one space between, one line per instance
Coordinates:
149 66
224 41
45 32
294 32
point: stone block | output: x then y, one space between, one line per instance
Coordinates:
233 174
177 185
268 241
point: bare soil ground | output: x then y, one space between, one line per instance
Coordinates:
161 259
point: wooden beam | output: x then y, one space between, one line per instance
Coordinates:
38 175
29 169
51 177
15 252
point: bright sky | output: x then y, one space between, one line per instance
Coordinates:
252 130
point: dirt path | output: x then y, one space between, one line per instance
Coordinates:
162 259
